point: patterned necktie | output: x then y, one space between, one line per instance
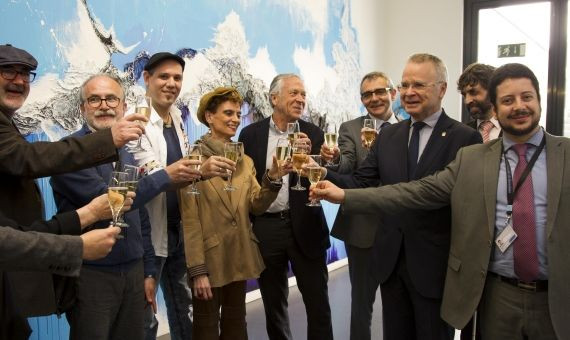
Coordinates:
524 252
485 130
413 149
384 124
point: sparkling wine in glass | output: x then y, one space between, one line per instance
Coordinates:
293 131
231 152
134 173
369 132
143 107
117 194
298 159
282 151
331 141
315 172
194 152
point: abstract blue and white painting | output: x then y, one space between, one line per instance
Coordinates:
243 43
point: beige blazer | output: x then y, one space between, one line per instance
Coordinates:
218 238
469 183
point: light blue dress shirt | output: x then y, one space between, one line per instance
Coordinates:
502 263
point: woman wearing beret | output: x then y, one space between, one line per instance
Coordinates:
221 249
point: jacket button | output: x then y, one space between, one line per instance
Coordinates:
483 274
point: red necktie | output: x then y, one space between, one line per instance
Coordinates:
524 224
485 129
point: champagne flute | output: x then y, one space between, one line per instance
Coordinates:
331 140
194 152
241 150
369 132
117 194
143 107
293 131
231 152
315 173
282 151
131 181
299 158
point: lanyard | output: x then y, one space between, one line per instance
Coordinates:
510 193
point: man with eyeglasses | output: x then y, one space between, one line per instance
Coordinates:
111 292
411 248
21 162
376 93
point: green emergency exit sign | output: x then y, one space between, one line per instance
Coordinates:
511 50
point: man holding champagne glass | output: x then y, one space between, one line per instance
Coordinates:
101 308
355 138
22 162
289 231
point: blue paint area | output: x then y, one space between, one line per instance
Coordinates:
180 26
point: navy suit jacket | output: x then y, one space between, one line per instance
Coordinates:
310 229
425 235
75 189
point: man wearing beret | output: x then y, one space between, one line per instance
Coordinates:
21 162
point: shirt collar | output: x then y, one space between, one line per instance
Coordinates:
274 127
431 120
492 120
534 140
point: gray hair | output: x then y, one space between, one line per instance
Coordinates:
376 74
277 83
97 75
440 68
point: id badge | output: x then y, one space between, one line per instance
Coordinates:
506 237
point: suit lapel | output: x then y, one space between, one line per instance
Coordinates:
401 157
436 141
554 171
490 179
218 184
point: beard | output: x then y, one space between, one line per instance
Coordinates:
479 109
510 129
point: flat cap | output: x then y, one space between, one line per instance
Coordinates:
230 92
159 57
10 55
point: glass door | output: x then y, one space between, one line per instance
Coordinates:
533 33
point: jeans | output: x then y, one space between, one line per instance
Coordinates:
171 274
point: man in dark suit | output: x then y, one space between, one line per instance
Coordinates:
290 232
411 248
472 85
21 162
510 214
377 93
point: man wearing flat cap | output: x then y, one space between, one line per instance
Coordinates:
21 162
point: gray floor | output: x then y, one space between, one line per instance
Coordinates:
339 295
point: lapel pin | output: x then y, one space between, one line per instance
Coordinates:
443 134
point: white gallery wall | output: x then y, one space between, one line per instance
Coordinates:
389 31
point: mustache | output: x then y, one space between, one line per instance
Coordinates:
108 112
520 113
15 88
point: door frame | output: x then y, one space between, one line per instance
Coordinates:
556 56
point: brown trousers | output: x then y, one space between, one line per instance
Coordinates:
210 324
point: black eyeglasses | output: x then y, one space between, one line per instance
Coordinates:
380 92
11 74
96 101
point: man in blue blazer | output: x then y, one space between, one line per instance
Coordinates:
111 292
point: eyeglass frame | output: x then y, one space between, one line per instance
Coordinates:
100 101
22 74
418 86
368 94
